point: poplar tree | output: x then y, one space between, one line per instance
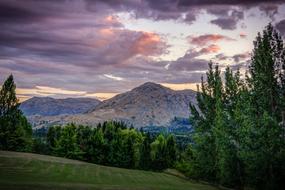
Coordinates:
15 131
267 91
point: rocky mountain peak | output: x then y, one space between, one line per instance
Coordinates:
149 87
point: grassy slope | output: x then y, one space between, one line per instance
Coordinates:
32 171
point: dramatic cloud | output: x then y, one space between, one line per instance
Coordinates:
210 49
222 2
98 48
207 38
230 20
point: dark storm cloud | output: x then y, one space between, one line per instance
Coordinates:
228 16
11 13
57 33
227 19
222 2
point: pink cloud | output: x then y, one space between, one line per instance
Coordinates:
207 38
210 49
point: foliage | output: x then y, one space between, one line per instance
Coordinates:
239 124
15 131
112 143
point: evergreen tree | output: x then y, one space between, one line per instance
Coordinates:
96 149
159 153
267 91
53 135
67 144
145 156
171 155
15 131
203 119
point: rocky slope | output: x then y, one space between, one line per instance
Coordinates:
147 105
46 106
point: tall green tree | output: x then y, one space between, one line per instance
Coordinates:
67 144
145 153
267 91
15 131
159 153
203 118
171 151
96 146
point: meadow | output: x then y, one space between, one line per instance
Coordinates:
34 171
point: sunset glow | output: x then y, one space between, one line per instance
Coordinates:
102 48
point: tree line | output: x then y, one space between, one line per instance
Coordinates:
239 123
112 143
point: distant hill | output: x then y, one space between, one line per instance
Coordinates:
35 171
150 104
46 106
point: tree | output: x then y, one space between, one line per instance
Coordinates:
171 151
67 144
229 164
15 131
239 124
145 153
96 148
53 135
267 91
203 118
159 153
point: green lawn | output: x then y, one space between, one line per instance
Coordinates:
33 171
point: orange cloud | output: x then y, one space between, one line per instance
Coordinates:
207 38
112 20
210 49
148 44
106 32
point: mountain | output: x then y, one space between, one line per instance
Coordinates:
46 106
148 105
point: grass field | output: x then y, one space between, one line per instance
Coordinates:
33 171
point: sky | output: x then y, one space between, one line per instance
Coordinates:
99 48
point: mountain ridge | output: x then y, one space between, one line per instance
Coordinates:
48 106
149 104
